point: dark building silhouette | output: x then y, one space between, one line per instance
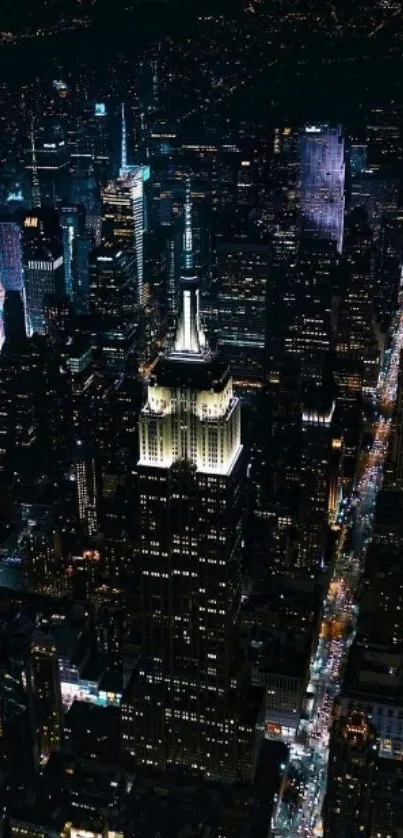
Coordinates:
14 317
44 697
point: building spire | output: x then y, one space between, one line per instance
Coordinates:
188 234
36 192
123 152
190 339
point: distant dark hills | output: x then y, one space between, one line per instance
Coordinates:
115 26
21 15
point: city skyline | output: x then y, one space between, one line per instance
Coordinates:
201 347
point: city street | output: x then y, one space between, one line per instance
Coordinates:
340 613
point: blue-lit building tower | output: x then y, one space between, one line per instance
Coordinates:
322 174
72 222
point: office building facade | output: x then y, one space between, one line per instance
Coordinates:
322 182
87 488
124 217
10 256
113 306
357 337
43 265
241 308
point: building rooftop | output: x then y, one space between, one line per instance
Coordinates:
374 675
41 814
94 730
209 373
285 602
284 653
175 805
389 516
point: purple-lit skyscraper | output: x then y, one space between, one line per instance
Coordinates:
321 152
10 256
10 264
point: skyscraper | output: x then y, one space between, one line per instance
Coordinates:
357 337
100 138
242 289
72 220
81 381
14 317
43 265
308 337
113 306
10 265
315 480
394 462
124 210
322 182
44 697
10 256
85 192
124 216
18 417
87 488
185 707
48 162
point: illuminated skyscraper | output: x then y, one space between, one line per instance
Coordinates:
100 137
48 164
113 306
357 336
384 135
308 337
81 380
72 220
10 265
84 191
18 417
123 154
314 481
10 256
185 707
14 187
124 217
43 265
322 183
44 697
87 488
14 317
242 288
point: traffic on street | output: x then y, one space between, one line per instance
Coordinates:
299 815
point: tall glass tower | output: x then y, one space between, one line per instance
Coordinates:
124 217
185 708
321 152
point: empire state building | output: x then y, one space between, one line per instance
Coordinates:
184 708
